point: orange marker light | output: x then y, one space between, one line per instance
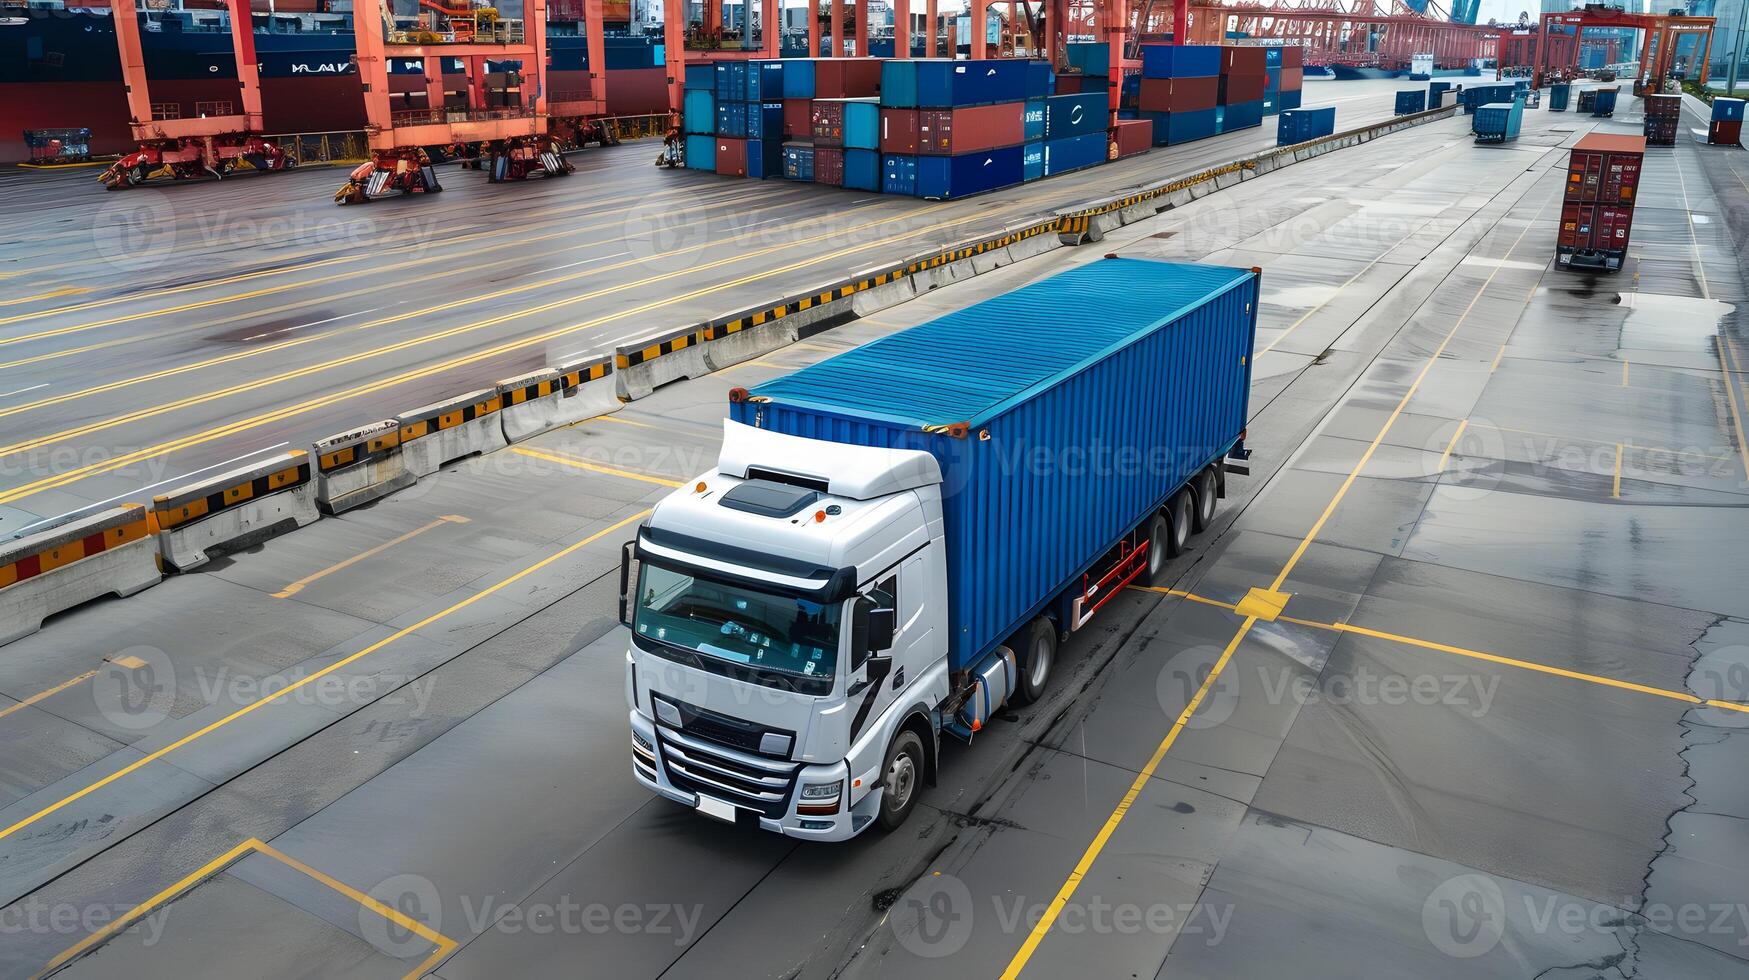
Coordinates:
819 517
700 488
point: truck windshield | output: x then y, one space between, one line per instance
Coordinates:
761 630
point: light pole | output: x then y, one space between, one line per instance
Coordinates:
1736 50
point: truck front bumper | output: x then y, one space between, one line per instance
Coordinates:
648 768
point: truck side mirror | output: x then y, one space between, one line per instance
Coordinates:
881 626
871 630
628 581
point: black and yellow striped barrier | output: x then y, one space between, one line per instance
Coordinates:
111 552
555 396
465 425
235 509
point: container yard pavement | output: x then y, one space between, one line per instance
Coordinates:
209 324
1449 690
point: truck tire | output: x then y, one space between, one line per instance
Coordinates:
1205 500
901 778
1158 532
1179 515
1037 658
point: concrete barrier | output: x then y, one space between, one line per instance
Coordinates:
555 396
648 363
235 510
465 425
112 552
356 467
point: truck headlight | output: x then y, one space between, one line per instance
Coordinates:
822 791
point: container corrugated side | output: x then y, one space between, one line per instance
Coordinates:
1102 390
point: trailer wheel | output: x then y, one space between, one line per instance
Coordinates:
1036 660
1205 500
900 779
1158 532
1179 514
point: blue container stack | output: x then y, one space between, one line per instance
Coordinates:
1411 102
1498 122
1180 91
1727 110
1301 125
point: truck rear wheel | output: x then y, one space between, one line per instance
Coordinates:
1179 516
1206 494
1158 532
1036 660
900 778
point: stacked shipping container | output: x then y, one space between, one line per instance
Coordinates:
1191 92
1597 210
1300 125
1498 122
1726 126
1663 118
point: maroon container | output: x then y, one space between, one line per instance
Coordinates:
798 120
847 78
1292 57
1292 79
1179 94
826 123
829 166
731 157
1071 84
1244 61
1725 132
951 132
899 131
1134 136
1237 89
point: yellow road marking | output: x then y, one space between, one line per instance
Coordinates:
1604 442
443 944
192 400
616 420
1052 911
51 294
1726 354
298 586
127 660
1624 372
45 695
1616 491
311 678
1339 290
1455 436
201 438
1261 604
580 464
1497 356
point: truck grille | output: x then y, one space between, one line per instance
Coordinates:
699 766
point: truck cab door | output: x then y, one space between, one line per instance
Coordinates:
878 677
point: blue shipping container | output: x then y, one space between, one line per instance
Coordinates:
764 81
731 81
1605 104
798 162
1436 87
1727 110
862 124
1090 58
1272 80
700 111
702 77
765 158
1272 57
732 119
1181 61
765 120
1186 127
1300 125
1148 359
1075 153
1498 122
1558 96
701 153
1075 115
1032 160
1239 115
1290 98
1032 121
1411 102
798 78
940 178
899 175
942 83
862 170
1040 80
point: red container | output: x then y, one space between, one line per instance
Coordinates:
1071 84
1575 232
829 166
1605 169
731 157
950 132
1725 132
826 123
847 78
1179 94
1134 136
1610 233
1292 57
798 118
899 131
1237 89
1292 79
1243 61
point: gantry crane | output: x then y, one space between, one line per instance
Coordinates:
511 140
213 140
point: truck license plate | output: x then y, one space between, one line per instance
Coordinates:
719 809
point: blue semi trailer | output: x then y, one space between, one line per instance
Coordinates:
895 540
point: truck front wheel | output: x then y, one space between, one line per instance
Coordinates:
1036 660
900 778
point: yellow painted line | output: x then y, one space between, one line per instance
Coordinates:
1616 491
1497 356
298 586
62 166
45 695
51 294
1052 911
580 464
210 435
1339 289
427 338
444 945
1190 596
1624 372
616 420
1604 442
127 660
1728 361
145 908
1455 436
311 678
